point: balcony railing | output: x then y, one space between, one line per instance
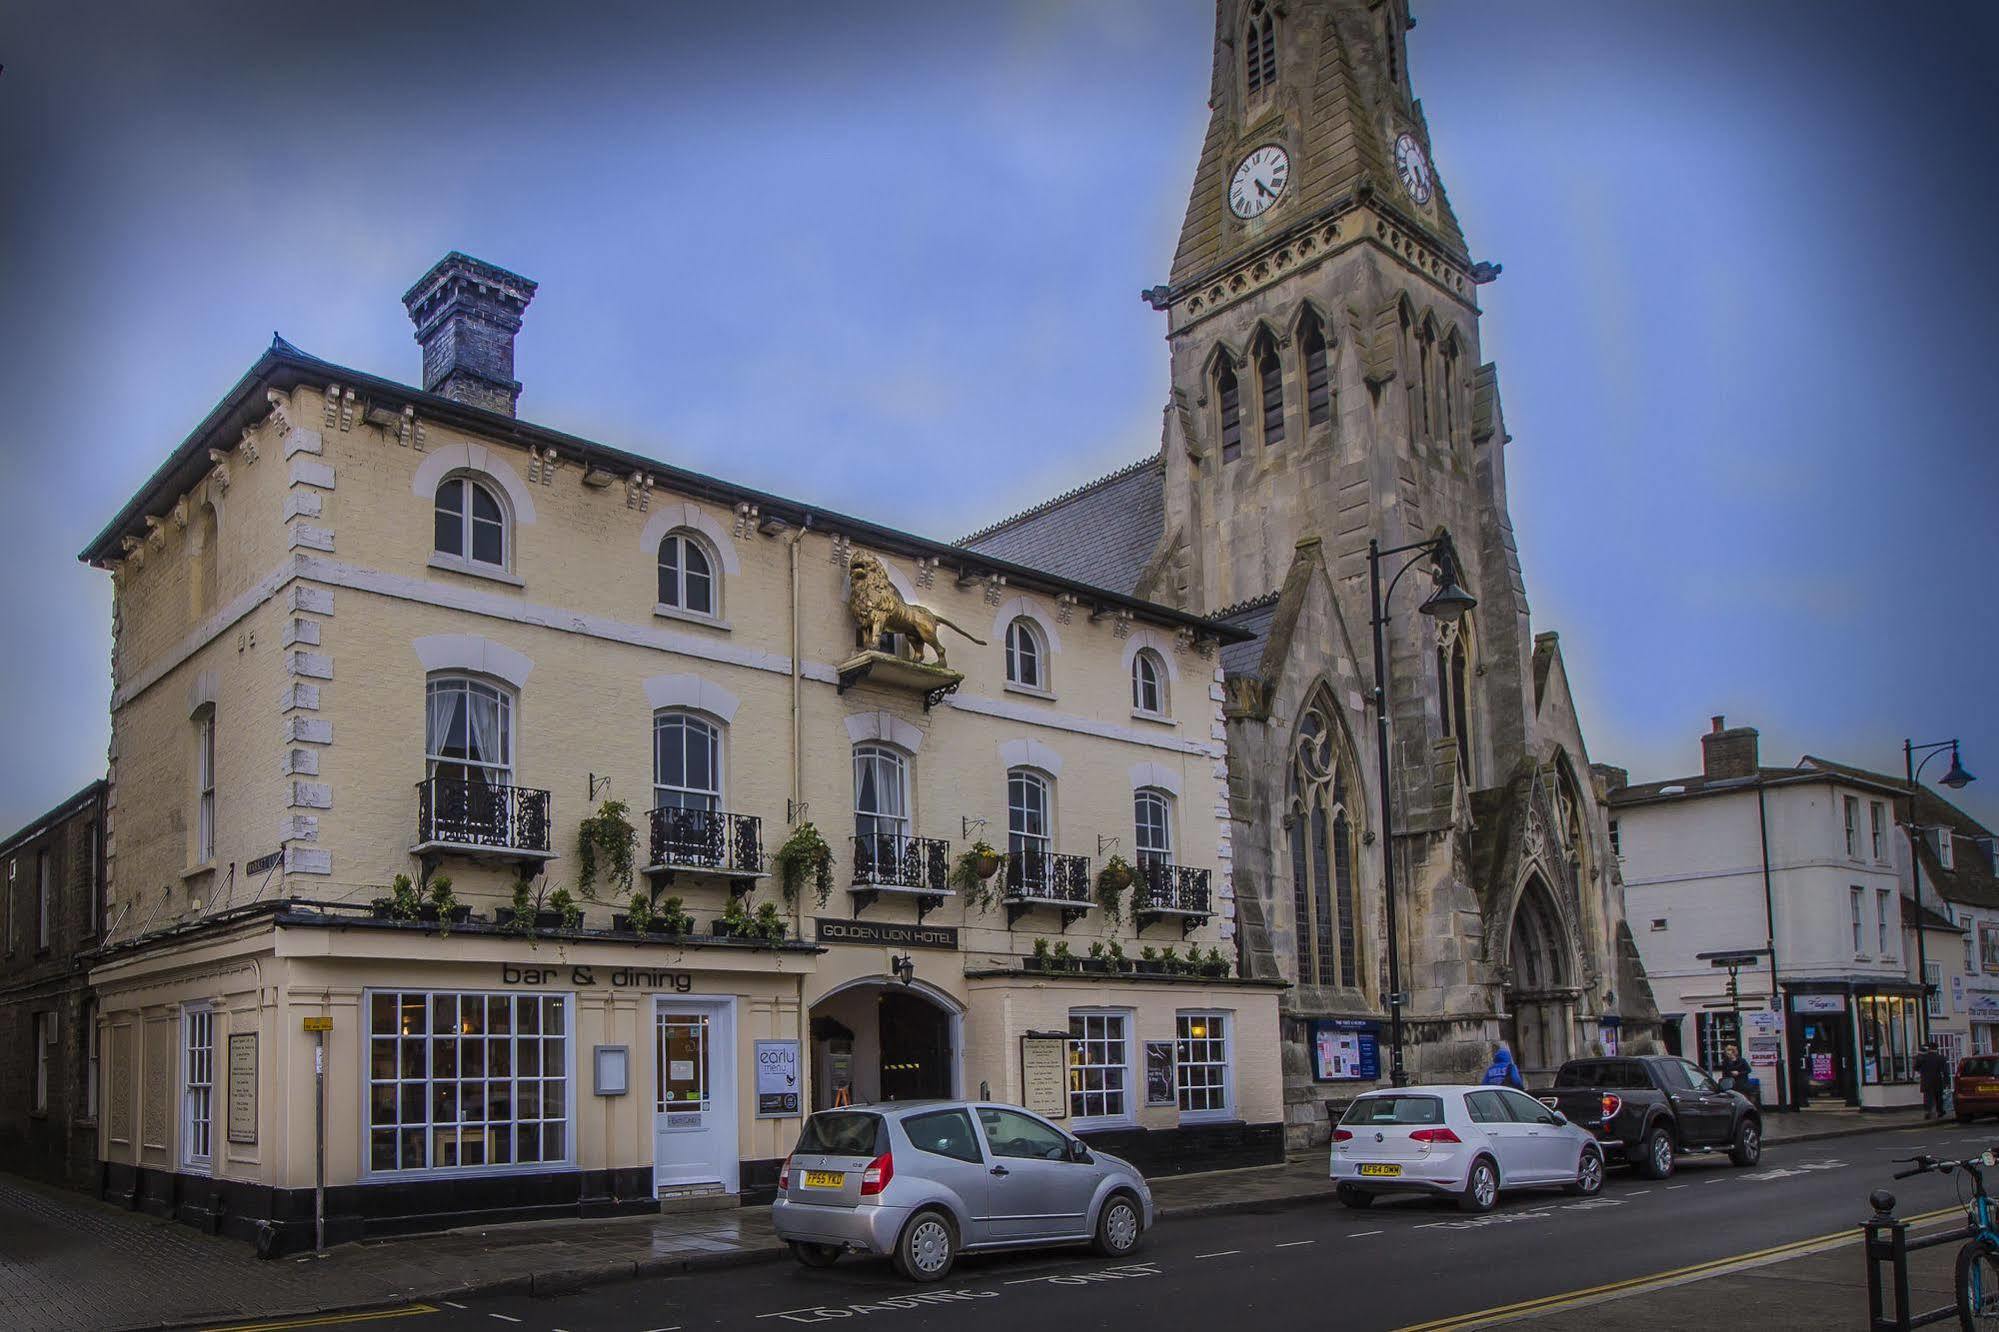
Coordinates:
706 839
890 862
1046 878
476 816
1166 889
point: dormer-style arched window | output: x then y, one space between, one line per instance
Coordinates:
686 574
1026 655
1270 390
1228 395
1320 811
1315 359
1148 683
471 522
1259 47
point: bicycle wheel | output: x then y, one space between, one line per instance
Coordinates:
1977 1287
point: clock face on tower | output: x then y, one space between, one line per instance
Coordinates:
1259 182
1413 167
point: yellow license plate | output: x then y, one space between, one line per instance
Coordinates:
825 1179
1986 1089
1384 1170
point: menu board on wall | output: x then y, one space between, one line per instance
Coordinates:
1044 1074
243 1087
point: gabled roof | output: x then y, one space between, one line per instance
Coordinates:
1690 788
36 827
283 366
1102 533
1254 618
1972 879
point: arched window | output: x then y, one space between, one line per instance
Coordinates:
471 524
1270 388
1315 357
686 762
1322 849
881 791
686 574
1148 683
1422 391
1028 828
1026 655
1152 819
1260 51
1454 668
1450 389
1229 395
469 732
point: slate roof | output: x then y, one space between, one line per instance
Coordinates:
1696 786
1972 879
1252 617
1102 534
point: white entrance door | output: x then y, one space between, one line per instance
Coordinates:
694 1095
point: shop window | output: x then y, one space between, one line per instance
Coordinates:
1100 1066
1201 1063
467 1081
1888 1039
197 1087
1713 1032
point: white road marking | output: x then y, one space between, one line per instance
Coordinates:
1362 1234
1292 1244
1224 1253
453 1303
1722 1180
1671 1187
503 1318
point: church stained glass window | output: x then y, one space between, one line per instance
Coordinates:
1322 832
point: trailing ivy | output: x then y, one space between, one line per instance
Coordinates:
805 853
1112 880
973 872
606 843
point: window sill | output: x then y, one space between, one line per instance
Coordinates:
196 871
471 569
1210 1117
1156 718
1078 1124
666 612
1030 691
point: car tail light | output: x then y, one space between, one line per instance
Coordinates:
1434 1135
784 1176
1611 1105
876 1177
1342 1135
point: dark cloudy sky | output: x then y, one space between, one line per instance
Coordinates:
887 257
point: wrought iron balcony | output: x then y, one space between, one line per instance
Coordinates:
1047 879
706 841
1166 890
892 863
477 818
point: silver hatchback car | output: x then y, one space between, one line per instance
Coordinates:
923 1181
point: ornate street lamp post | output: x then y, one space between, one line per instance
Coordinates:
1449 602
1956 779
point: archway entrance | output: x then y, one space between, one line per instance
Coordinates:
1541 999
878 1040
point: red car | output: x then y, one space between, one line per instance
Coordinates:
1977 1088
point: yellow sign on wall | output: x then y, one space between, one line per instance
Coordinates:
319 1024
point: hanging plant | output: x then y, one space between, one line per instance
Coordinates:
1112 880
805 854
564 903
972 874
606 843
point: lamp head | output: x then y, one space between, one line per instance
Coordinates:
1449 602
904 968
1957 778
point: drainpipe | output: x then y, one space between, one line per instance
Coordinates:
797 718
1770 939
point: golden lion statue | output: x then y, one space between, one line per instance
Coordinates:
879 609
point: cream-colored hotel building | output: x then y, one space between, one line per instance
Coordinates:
363 631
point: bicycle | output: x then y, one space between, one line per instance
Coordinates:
1976 1278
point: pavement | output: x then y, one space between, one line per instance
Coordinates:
70 1262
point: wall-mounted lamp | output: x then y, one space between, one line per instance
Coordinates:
904 967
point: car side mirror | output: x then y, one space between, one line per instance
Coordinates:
1558 1118
1078 1153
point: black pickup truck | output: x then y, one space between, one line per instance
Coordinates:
1652 1106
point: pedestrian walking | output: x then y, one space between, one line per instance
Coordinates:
1931 1068
1503 1072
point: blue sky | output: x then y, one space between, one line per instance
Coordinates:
887 256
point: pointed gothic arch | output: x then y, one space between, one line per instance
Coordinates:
1266 364
1541 971
1324 818
1259 51
1225 372
1457 668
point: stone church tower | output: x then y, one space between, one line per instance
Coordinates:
1327 388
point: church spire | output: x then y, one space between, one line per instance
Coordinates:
1311 108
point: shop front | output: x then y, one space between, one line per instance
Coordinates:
1854 1043
472 1077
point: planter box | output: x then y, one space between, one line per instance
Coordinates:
543 920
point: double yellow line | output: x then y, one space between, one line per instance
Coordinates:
1697 1271
328 1320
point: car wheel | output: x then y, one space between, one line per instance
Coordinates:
1481 1187
1357 1198
1748 1149
1119 1226
1655 1160
815 1255
927 1248
1589 1174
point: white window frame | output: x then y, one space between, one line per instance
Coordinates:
1878 816
1946 848
1181 1040
1026 646
1152 794
44 1023
1146 663
688 539
1881 922
888 759
197 1087
1018 837
468 482
1933 997
429 1082
501 770
1856 894
684 796
45 907
204 786
1852 815
1128 1116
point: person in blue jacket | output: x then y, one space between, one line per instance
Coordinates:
1503 1071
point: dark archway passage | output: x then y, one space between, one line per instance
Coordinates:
1541 998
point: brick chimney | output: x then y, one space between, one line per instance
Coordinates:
466 314
1728 751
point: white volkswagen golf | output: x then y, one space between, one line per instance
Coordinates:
1466 1143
